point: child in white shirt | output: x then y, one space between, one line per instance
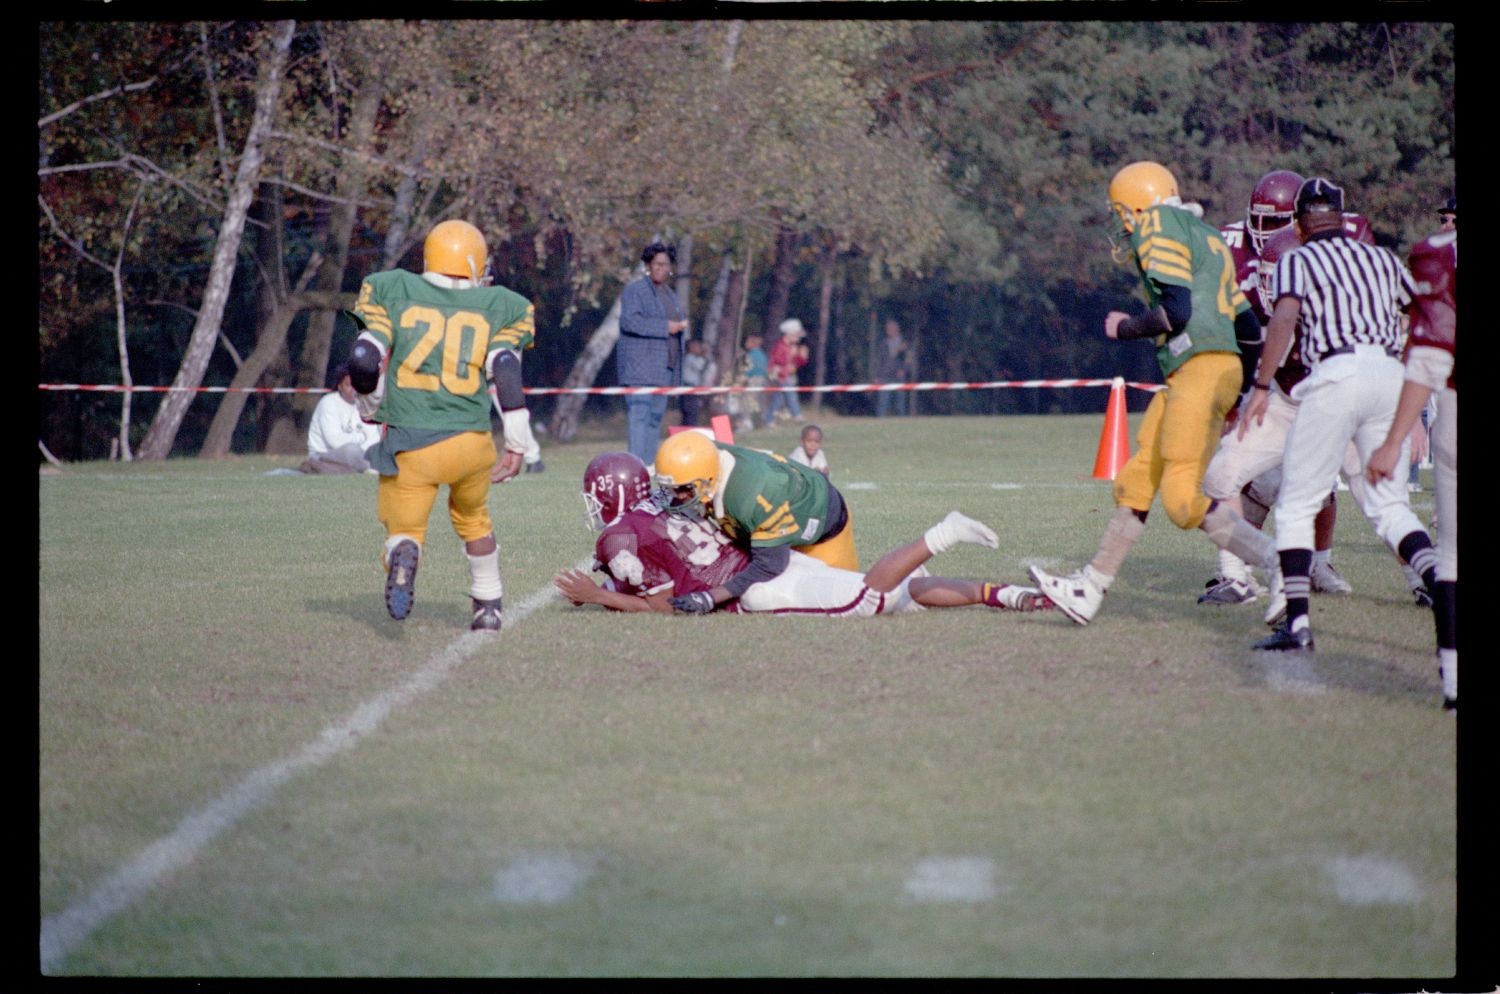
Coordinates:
810 452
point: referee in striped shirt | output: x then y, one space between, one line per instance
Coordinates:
1349 297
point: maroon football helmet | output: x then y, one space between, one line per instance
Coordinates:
1276 246
613 483
1273 203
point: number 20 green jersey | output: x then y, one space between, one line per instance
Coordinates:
437 339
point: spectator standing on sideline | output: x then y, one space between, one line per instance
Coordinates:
1200 321
754 370
1348 296
648 353
892 366
428 387
788 355
810 452
338 436
1431 368
698 370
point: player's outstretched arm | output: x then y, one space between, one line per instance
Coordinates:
579 589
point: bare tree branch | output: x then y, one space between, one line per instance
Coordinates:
71 242
330 198
328 146
213 100
113 91
124 346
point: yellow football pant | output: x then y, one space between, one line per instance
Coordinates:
463 462
1178 438
838 551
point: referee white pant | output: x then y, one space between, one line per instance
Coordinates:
1242 460
1445 473
1346 397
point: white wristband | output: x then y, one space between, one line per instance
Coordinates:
518 437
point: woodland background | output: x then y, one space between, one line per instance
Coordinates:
210 194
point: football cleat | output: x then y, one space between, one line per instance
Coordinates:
1421 597
1075 595
401 578
1224 590
536 467
1326 579
1284 639
486 616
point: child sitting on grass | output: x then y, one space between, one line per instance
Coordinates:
810 452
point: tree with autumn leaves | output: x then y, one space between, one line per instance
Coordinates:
950 174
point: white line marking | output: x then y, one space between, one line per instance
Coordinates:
1365 880
859 486
63 932
953 880
543 878
1291 673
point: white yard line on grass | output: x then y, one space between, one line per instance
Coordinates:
953 880
63 932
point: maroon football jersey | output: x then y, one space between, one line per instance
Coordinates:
1357 227
649 551
1434 310
1246 267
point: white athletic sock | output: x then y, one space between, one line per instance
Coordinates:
1448 666
1097 578
956 528
1233 567
484 576
1321 556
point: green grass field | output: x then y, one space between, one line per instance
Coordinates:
247 769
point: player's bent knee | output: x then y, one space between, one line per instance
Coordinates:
1185 513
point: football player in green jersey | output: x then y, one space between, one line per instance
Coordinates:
1200 320
760 499
423 365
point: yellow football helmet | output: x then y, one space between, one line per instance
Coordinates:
687 467
1135 188
455 248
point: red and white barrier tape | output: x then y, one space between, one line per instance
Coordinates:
637 391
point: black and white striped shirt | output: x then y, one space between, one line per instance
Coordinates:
1351 293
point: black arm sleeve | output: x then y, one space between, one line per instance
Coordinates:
766 563
505 371
364 366
1168 317
1250 337
1177 303
1154 322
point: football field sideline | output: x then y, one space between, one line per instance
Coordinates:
63 932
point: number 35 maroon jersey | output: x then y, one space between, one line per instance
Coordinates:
647 551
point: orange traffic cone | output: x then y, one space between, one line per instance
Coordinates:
1114 445
723 430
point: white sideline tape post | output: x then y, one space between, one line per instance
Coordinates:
63 932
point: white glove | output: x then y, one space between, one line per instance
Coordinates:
518 437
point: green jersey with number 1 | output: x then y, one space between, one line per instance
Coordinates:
773 501
437 340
